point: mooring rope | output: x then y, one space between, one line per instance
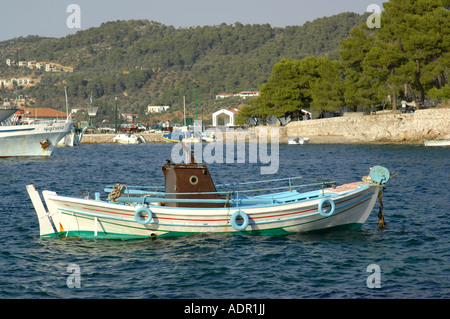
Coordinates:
381 223
117 192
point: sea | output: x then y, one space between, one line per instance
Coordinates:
409 259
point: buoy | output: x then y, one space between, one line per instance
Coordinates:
322 202
137 215
241 214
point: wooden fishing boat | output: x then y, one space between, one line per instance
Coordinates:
191 203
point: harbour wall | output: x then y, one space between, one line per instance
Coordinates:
108 138
384 127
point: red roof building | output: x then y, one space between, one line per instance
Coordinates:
41 113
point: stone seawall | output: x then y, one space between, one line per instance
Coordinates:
108 138
428 124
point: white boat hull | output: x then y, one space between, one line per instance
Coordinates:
129 139
436 142
32 140
298 141
70 139
87 218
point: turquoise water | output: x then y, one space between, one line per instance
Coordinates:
412 252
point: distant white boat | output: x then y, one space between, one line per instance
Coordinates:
297 140
436 142
36 139
129 139
184 136
208 137
71 139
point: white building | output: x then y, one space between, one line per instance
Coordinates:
242 95
224 95
228 117
31 64
19 81
246 94
157 108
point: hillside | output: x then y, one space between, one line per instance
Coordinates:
144 62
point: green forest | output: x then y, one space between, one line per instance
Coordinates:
144 62
406 58
323 65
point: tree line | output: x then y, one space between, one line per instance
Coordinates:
406 58
145 62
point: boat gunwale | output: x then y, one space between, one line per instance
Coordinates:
355 201
206 211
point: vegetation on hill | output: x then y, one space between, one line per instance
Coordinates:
407 58
144 62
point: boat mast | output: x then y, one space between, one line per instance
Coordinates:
184 103
67 102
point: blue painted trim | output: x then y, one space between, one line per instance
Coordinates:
18 130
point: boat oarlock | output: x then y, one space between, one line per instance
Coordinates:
190 202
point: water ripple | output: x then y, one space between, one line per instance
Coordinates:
412 252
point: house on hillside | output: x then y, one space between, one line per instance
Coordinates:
129 117
224 95
246 94
227 116
157 108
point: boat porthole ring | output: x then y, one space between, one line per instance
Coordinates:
235 216
320 208
137 215
193 180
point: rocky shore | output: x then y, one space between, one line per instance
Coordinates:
383 127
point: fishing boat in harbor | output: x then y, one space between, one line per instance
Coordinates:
190 203
38 138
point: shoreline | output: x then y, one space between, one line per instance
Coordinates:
157 138
384 128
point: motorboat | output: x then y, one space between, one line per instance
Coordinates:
129 139
297 140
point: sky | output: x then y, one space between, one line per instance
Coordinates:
49 17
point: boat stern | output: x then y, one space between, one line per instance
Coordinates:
46 222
